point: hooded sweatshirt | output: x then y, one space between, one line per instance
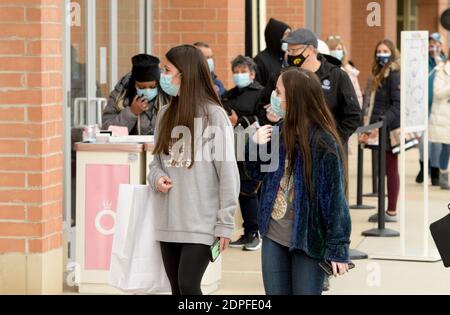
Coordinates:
270 60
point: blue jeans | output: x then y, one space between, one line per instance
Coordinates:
286 273
434 152
445 156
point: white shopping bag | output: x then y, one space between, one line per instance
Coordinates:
136 262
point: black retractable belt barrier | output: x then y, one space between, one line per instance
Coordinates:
381 231
360 181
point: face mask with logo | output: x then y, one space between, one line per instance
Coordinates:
275 101
242 80
383 59
149 94
338 54
284 47
211 64
168 86
297 61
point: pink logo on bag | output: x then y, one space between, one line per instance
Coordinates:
102 188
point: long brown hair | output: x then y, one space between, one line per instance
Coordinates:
306 107
196 92
379 72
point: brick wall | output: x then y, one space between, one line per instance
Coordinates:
291 12
31 127
219 23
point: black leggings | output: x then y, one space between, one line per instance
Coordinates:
185 266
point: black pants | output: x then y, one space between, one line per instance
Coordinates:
185 266
249 203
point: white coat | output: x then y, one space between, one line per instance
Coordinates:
440 116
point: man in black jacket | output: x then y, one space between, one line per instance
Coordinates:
337 86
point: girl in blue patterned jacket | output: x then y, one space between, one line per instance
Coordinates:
304 216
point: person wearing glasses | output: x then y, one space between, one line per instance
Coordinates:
337 87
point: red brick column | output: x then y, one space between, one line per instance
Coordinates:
31 157
336 15
220 23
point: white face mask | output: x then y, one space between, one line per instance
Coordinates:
276 101
167 85
338 54
242 80
149 94
211 64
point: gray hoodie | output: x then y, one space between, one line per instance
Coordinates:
202 202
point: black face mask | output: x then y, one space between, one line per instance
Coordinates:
297 61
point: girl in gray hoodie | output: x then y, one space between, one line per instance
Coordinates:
194 171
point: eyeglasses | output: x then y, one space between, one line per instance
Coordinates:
294 51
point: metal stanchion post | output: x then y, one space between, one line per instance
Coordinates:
374 175
360 181
381 231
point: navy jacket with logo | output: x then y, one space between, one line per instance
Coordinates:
339 94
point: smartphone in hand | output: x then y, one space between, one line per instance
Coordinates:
328 268
214 251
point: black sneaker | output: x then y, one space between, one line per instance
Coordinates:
254 243
240 243
435 176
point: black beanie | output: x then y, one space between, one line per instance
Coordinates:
145 68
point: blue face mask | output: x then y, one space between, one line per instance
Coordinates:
275 101
284 47
167 86
242 80
338 54
149 94
383 59
211 64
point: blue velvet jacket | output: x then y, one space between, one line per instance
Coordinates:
322 224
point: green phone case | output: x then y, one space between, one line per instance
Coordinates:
214 251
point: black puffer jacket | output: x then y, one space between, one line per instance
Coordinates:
269 60
339 94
